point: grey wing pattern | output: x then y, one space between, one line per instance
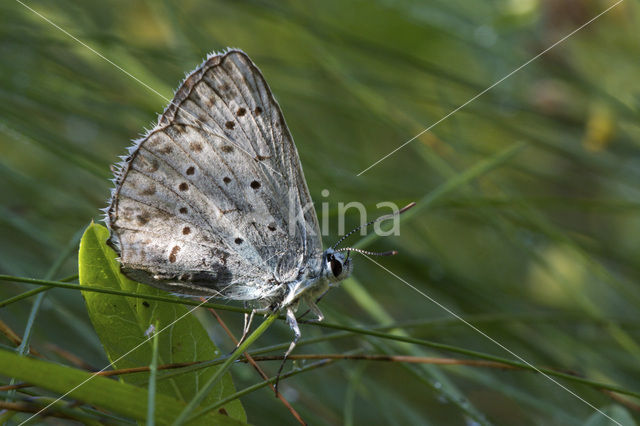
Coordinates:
213 200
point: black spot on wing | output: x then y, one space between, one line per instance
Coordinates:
143 218
173 254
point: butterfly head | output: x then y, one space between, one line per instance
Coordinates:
337 266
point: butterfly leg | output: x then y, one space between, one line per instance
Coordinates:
291 320
248 319
314 308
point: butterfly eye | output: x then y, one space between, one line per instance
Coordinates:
336 267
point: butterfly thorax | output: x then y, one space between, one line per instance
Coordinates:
326 272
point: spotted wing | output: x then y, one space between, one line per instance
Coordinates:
213 200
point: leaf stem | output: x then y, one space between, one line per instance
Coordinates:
187 412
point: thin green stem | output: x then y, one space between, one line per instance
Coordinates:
356 330
186 414
22 296
23 348
107 290
257 386
57 264
443 347
32 292
153 372
468 352
463 178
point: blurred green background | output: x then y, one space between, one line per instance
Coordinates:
540 252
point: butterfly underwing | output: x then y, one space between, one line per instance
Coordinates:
212 201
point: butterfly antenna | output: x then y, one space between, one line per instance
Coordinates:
370 253
381 218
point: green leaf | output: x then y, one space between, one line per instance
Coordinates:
121 398
121 323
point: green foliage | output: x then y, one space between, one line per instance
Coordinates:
121 398
121 324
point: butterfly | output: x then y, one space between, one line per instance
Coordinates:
212 201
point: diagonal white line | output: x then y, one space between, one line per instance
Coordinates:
115 361
96 52
491 87
494 341
170 101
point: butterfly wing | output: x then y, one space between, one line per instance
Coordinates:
213 201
